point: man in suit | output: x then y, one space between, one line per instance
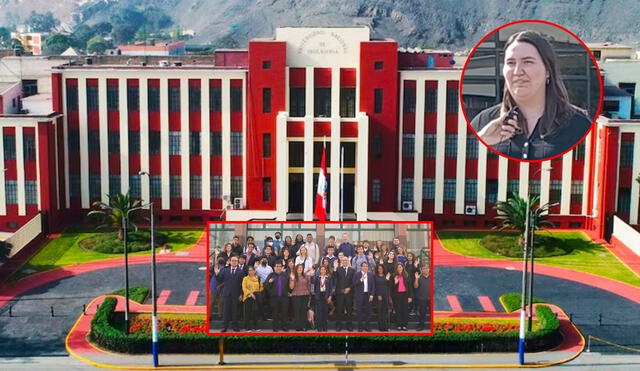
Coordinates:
235 245
422 295
251 254
231 279
363 289
277 286
344 294
347 247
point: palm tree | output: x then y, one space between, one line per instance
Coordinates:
513 214
110 214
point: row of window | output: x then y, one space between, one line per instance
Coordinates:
322 102
471 190
30 192
430 100
153 96
450 146
28 147
155 186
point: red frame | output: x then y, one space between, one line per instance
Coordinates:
593 59
402 333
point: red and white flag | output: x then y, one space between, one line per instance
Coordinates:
321 196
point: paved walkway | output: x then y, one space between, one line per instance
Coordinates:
78 346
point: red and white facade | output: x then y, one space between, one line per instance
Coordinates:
249 128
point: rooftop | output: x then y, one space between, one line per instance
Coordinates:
614 91
607 45
4 86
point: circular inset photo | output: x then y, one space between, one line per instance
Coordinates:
531 90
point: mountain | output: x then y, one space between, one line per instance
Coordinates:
455 24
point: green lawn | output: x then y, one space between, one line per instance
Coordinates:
586 255
64 250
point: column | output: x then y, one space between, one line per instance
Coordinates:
124 135
586 183
440 139
84 144
244 139
308 169
226 141
282 177
22 209
184 143
362 168
503 165
335 92
145 190
565 196
418 157
524 180
334 170
164 142
3 196
65 134
635 187
104 140
482 179
461 159
205 138
545 180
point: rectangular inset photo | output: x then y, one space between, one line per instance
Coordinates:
329 278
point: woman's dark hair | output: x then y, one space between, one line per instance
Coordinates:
558 108
384 270
295 271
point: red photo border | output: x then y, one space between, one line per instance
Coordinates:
593 59
271 333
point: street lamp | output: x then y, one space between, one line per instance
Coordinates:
125 223
154 306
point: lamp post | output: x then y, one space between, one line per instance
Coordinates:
154 304
523 303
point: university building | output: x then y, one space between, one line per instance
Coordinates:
241 139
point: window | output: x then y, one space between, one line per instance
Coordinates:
347 102
513 187
626 153
9 143
236 143
236 187
114 184
378 65
451 145
376 190
216 187
492 155
578 152
236 99
428 189
74 186
215 99
11 192
216 143
470 190
154 142
74 142
195 187
596 54
30 192
134 142
29 149
155 185
576 191
377 145
153 93
266 189
174 99
472 146
429 145
611 106
406 192
555 191
431 100
534 187
72 98
297 102
113 98
296 154
174 143
175 186
266 145
194 143
194 99
266 65
449 190
133 98
492 191
452 100
114 142
266 100
322 104
134 185
94 141
94 186
92 98
624 201
409 100
29 88
408 145
377 100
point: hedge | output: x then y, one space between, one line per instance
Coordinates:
108 242
513 301
136 293
104 333
507 244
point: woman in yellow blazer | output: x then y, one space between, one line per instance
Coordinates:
251 291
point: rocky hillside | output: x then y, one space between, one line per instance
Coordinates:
455 24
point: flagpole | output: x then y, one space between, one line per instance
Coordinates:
342 184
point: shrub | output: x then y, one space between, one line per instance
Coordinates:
507 244
513 300
108 242
136 293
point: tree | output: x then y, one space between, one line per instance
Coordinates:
5 35
124 33
81 36
98 45
103 28
110 214
56 44
513 213
41 22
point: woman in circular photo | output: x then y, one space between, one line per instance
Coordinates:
535 119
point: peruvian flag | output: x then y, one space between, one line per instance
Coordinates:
321 196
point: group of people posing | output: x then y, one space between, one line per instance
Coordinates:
301 280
